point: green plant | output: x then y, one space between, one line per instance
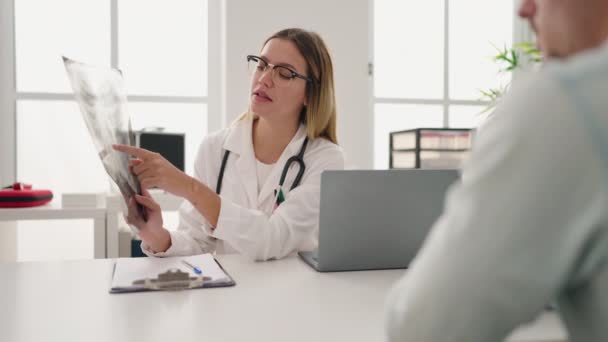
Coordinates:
520 56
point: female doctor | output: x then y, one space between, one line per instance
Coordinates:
256 184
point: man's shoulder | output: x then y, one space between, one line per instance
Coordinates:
558 79
588 65
565 89
533 97
536 108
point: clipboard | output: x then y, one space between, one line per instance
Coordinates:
168 274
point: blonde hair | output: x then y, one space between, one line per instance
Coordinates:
319 114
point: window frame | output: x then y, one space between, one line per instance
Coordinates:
521 32
8 137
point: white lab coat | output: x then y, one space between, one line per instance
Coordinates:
247 223
528 224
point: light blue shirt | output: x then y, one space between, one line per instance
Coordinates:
527 225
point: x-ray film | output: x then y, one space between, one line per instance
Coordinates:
102 98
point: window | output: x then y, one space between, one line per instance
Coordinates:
162 49
430 59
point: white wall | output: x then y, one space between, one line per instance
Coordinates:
344 27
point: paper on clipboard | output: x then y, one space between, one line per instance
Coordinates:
129 270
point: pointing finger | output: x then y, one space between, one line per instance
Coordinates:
134 151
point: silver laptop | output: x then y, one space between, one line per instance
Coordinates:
376 219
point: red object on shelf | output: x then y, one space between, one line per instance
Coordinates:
21 195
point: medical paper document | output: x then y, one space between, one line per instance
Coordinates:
102 99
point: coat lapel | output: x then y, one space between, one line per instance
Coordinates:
240 144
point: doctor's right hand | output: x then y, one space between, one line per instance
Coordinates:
150 231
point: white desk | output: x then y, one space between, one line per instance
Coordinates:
54 212
273 301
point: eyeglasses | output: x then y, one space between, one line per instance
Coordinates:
281 75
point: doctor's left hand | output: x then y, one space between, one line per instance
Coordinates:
153 170
150 231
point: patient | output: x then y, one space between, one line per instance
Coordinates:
529 223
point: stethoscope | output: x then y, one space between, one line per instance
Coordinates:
298 159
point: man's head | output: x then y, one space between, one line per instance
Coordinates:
567 27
